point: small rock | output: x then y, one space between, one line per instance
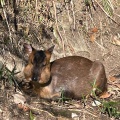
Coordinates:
96 103
75 116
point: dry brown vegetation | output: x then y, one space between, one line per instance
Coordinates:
89 28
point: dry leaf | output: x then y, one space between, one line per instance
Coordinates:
18 98
77 105
26 108
112 79
118 85
93 37
94 30
105 95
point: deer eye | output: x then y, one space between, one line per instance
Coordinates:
43 66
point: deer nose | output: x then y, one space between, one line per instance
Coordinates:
35 78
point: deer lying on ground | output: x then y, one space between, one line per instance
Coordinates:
74 76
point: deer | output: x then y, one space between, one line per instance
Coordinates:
72 76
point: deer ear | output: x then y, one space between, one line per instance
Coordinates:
49 53
50 50
28 48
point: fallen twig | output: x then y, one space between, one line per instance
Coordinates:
106 13
63 45
40 110
73 14
7 23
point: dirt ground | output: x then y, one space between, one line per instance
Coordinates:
90 29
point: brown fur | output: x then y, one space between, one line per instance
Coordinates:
28 72
75 76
